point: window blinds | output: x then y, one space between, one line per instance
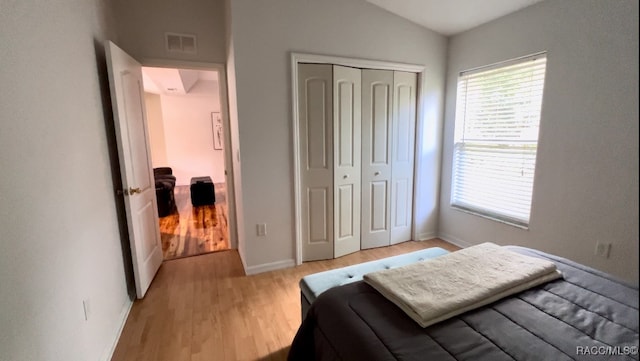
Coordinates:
496 140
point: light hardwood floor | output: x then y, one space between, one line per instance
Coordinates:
195 230
205 308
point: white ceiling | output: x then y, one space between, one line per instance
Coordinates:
449 17
173 81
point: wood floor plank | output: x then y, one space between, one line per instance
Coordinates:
191 231
205 308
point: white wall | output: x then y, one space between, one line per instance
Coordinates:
142 25
188 133
60 239
586 184
157 143
263 35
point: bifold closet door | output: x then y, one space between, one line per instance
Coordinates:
347 159
388 142
315 112
377 106
357 140
403 150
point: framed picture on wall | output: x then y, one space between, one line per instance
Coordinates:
216 126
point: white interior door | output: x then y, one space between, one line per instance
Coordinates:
315 97
403 149
377 105
125 80
347 159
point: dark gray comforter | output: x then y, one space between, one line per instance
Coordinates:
587 315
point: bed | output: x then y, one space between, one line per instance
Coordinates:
586 315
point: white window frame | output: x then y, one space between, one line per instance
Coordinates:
496 139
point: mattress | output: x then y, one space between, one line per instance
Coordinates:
586 315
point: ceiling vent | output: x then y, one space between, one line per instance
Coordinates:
180 43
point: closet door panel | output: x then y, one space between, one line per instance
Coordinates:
315 111
346 209
377 105
346 180
318 211
403 149
379 215
345 124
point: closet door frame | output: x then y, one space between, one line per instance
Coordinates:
297 58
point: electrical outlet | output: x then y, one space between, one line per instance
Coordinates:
261 229
86 306
603 249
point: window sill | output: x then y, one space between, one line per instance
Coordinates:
490 217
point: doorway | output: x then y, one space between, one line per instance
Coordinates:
188 153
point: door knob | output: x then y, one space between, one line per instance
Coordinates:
345 176
133 191
376 173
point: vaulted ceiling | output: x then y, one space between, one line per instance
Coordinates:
450 17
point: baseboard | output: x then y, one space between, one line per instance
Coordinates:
427 236
244 264
453 240
124 314
266 267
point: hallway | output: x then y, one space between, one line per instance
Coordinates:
190 231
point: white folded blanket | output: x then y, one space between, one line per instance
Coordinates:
437 289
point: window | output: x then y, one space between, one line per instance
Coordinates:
496 139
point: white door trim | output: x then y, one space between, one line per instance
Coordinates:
224 111
297 58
